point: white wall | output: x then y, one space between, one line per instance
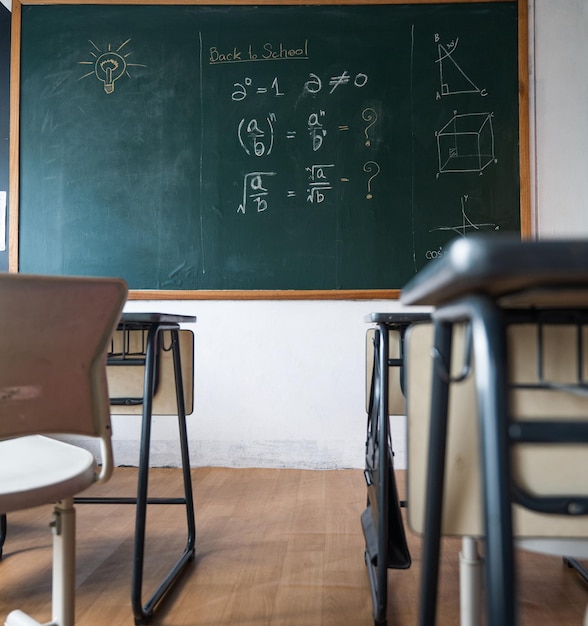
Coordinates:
561 92
277 383
281 383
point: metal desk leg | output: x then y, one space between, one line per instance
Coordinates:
3 530
490 351
383 487
491 383
382 523
435 475
580 569
143 613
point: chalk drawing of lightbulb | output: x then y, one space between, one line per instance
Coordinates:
109 65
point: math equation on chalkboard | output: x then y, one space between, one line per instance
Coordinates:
282 111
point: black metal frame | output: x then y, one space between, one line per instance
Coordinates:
488 336
489 283
489 323
3 530
381 510
155 325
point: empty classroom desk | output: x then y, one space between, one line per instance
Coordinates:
490 284
151 328
383 528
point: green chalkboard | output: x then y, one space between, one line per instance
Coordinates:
242 147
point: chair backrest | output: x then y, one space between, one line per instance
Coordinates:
541 469
54 336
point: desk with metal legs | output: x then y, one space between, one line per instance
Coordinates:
381 521
154 325
488 284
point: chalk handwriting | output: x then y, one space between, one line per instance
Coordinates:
269 51
257 138
313 85
254 191
254 140
318 183
372 168
316 130
371 117
262 134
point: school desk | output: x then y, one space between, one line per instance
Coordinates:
152 329
385 541
491 284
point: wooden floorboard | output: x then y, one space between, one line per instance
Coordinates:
274 547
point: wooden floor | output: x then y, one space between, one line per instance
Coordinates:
275 547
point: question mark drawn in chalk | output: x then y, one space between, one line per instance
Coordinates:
368 167
369 115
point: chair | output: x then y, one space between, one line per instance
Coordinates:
54 335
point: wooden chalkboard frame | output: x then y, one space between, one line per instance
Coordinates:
344 294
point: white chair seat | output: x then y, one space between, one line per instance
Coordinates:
54 470
56 335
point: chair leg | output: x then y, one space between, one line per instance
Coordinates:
3 531
63 527
64 562
470 583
